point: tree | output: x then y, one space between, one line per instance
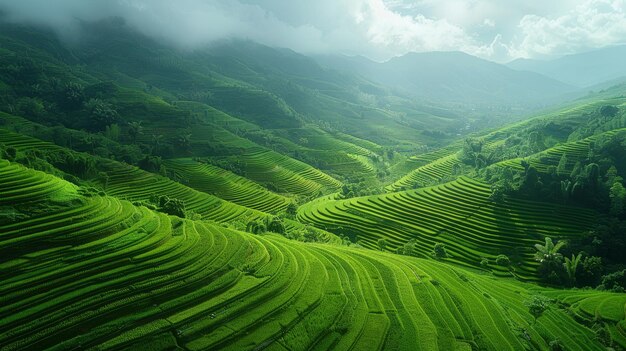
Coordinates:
171 206
255 227
608 111
503 260
157 140
498 192
409 248
617 194
101 114
184 141
72 96
591 271
556 345
291 209
561 169
549 251
276 225
134 130
537 305
615 281
382 244
439 251
571 267
113 132
311 235
551 261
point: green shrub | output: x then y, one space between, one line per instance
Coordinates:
439 251
503 260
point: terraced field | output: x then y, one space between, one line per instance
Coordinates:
24 143
101 273
284 174
458 214
574 151
433 171
226 185
319 140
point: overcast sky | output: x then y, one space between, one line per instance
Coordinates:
498 30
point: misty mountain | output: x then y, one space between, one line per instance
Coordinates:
456 77
582 70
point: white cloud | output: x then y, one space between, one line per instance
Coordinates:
379 29
592 24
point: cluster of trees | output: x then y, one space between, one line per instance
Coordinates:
595 181
578 270
357 187
65 164
276 224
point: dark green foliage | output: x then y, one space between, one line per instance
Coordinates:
439 251
498 192
101 114
310 235
537 305
608 111
291 209
590 272
256 227
615 281
71 96
572 268
172 206
382 244
556 345
409 248
152 164
484 263
503 260
551 269
617 194
275 225
134 130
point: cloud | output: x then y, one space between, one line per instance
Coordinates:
592 24
379 29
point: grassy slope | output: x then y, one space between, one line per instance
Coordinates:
458 214
158 282
131 183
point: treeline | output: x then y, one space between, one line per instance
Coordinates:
594 180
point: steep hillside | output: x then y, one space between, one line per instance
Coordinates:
158 282
458 214
581 70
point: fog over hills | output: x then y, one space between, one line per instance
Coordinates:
582 70
456 77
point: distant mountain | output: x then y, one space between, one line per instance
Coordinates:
455 77
582 70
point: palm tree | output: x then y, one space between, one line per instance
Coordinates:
184 140
571 266
549 251
156 142
134 130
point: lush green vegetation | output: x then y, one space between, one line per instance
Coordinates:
244 197
159 282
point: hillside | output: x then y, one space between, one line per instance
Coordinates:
238 196
455 77
581 70
193 285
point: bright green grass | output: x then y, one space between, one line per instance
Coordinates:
284 174
458 214
100 273
226 185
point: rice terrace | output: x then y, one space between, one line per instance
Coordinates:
312 175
